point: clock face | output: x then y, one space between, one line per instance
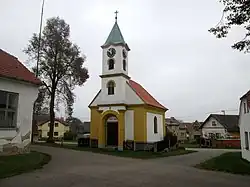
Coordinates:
111 52
124 53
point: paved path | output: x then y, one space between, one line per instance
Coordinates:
70 168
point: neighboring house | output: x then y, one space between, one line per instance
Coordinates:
244 123
172 125
37 119
194 131
183 130
60 127
221 126
18 91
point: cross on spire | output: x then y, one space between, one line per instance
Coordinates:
116 12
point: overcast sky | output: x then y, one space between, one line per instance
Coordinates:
172 54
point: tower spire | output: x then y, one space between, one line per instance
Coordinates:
116 12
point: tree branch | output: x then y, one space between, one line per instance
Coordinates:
47 87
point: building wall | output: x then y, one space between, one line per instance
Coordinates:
119 91
129 125
21 136
244 123
208 128
95 120
140 129
61 129
182 135
118 68
128 97
151 136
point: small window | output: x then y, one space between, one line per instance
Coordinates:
217 135
213 123
47 133
124 65
182 134
55 133
8 109
49 124
211 135
246 141
155 125
245 111
111 64
111 87
56 124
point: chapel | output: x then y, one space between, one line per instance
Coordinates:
123 114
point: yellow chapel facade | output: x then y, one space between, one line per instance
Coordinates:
123 114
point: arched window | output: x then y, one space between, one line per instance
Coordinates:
111 64
124 65
155 125
111 87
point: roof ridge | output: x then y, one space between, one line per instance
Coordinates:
13 68
6 53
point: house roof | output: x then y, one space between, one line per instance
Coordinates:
245 95
230 122
115 37
56 119
172 121
144 95
11 67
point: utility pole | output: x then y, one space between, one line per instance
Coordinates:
39 39
34 121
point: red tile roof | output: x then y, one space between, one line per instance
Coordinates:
144 95
11 67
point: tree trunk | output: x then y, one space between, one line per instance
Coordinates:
52 117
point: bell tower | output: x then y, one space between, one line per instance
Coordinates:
115 52
114 66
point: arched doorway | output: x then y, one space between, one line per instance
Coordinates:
111 131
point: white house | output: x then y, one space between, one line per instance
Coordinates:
18 91
244 123
221 126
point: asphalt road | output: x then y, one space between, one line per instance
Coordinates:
69 168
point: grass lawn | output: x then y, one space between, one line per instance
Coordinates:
17 164
227 162
125 153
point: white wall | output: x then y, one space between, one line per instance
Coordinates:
208 128
132 97
244 123
151 136
129 125
120 90
114 108
118 68
27 95
123 94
